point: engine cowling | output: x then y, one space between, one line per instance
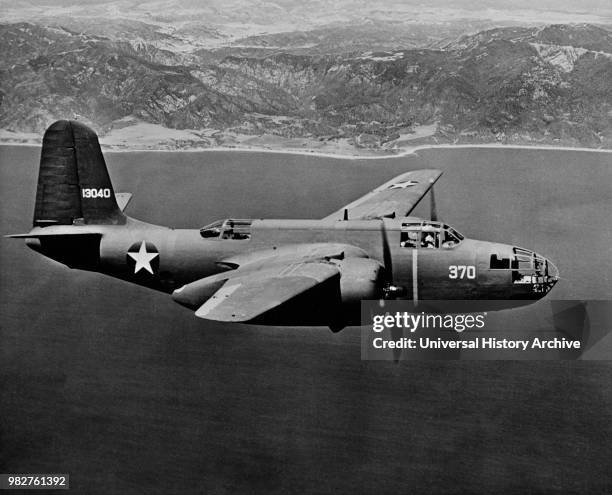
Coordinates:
360 278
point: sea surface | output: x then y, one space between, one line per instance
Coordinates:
130 393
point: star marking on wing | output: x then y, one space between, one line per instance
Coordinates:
404 184
143 259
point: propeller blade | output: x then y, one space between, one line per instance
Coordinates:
387 261
390 291
432 203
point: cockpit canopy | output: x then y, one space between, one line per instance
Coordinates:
230 228
428 234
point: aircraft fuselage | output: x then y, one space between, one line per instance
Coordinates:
172 258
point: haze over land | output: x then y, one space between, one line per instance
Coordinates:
348 77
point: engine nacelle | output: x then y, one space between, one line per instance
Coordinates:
360 278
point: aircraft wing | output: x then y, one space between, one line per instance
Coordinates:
242 296
396 198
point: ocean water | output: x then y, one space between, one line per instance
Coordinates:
130 393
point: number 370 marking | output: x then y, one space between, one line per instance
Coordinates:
462 271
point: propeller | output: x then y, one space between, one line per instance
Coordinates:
390 290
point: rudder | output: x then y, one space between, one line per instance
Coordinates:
73 182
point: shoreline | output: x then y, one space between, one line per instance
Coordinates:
405 151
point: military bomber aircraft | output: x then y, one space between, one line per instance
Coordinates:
279 272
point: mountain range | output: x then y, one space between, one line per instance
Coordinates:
372 84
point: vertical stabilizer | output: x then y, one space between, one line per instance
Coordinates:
73 181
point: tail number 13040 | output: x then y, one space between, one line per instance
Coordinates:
461 271
92 192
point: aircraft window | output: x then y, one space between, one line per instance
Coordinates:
212 230
522 263
429 239
410 235
429 235
499 263
539 265
528 267
227 229
428 224
452 231
409 238
450 237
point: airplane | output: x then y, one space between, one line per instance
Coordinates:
274 272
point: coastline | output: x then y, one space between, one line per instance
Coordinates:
370 155
137 137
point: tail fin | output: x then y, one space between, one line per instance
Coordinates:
73 182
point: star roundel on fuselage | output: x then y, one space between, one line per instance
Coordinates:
143 257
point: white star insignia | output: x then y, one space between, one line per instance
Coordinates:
403 184
143 259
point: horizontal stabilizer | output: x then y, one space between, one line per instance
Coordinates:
123 199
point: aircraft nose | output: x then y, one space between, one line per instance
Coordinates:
551 274
533 275
553 271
